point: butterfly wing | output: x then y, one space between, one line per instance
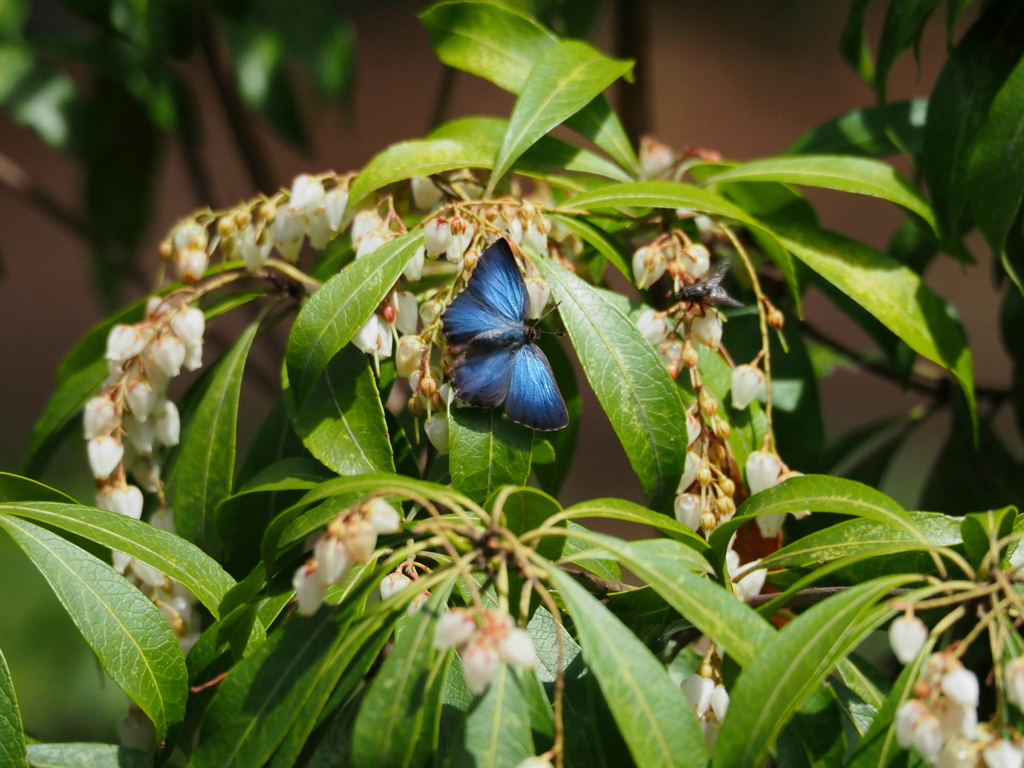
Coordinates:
497 282
482 377
533 399
467 317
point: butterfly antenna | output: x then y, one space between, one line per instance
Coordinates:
544 316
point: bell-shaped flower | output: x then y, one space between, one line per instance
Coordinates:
417 603
406 312
168 355
189 234
698 691
696 259
425 193
141 399
455 627
907 715
414 269
1003 753
254 252
763 469
693 428
437 433
124 342
907 636
333 559
720 702
690 470
105 454
747 385
957 753
310 588
927 737
361 540
392 584
363 223
1014 681
961 685
123 499
516 648
539 291
460 242
287 231
688 510
534 762
437 236
653 326
319 230
707 330
141 434
409 355
752 581
135 731
382 517
307 195
649 265
335 202
536 234
371 241
99 417
480 661
167 421
656 157
192 264
374 337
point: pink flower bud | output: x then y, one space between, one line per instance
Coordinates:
189 325
649 265
310 589
105 454
382 517
168 355
99 417
192 264
334 204
707 330
437 433
425 193
392 584
747 385
907 635
141 399
123 499
480 662
333 559
688 510
455 627
140 434
698 690
414 269
168 423
763 470
652 327
516 648
124 342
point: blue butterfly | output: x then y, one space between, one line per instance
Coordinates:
497 361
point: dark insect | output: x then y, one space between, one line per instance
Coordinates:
708 290
497 361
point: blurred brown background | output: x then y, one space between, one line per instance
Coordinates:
744 77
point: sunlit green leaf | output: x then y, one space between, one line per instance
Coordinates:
861 132
12 734
487 450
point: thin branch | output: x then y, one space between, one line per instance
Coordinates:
632 41
240 122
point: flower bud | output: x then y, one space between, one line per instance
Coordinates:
704 476
649 265
383 517
725 506
927 738
99 417
696 259
534 237
141 399
406 312
414 269
454 628
907 635
652 327
370 242
333 559
140 434
417 603
168 355
656 157
427 386
720 702
776 319
460 241
361 540
167 422
310 589
690 357
707 330
693 463
409 355
437 236
437 433
688 510
752 581
698 690
124 342
539 291
1003 754
307 195
192 264
480 662
392 584
334 206
123 499
763 470
105 454
708 521
425 193
364 222
906 718
747 385
961 685
516 648
430 310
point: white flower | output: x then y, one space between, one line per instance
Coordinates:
193 358
763 470
406 312
539 291
192 264
105 453
770 525
189 326
696 259
516 648
307 195
382 517
437 433
534 762
1015 681
168 355
688 510
287 231
124 342
961 685
425 193
310 589
189 234
720 702
747 385
460 242
370 242
149 575
698 690
752 582
693 428
168 423
99 417
1003 754
437 236
254 253
140 434
334 206
649 265
333 559
414 269
409 355
319 230
136 731
656 157
429 310
480 662
907 635
361 540
123 499
141 399
958 719
392 584
364 222
707 330
652 326
535 236
417 602
689 471
454 628
958 753
374 337
927 737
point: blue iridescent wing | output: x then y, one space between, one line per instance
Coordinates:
533 398
482 377
497 282
466 318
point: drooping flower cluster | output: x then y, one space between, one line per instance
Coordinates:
710 700
706 490
350 539
484 646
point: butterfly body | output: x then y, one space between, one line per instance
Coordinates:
497 361
708 290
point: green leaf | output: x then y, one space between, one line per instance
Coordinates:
16 488
342 420
853 43
960 102
60 416
130 637
889 291
496 730
653 716
859 175
983 529
86 756
904 25
525 509
487 451
204 471
599 240
334 314
861 132
627 511
171 26
630 382
397 721
792 665
12 733
588 556
276 440
169 554
564 80
995 170
41 98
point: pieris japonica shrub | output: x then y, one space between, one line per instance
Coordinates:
386 576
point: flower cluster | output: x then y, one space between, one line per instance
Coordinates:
484 646
399 580
351 538
706 491
709 698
